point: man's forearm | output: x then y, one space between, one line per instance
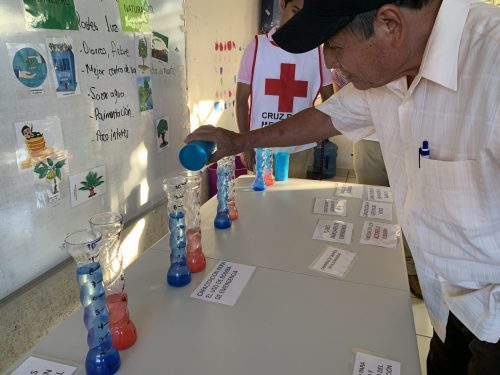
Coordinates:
307 126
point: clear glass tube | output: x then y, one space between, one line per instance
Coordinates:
194 254
222 219
84 246
178 273
260 160
123 331
233 210
268 167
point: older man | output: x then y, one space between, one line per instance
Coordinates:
420 70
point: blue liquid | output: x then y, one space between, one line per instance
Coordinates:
178 273
102 358
259 183
222 219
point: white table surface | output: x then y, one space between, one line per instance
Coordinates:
275 230
283 323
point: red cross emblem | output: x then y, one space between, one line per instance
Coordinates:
286 88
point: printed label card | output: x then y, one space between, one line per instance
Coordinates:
380 234
224 283
379 194
134 15
143 54
333 231
376 210
325 206
349 190
34 365
334 261
87 185
367 364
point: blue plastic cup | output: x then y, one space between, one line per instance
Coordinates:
281 163
195 154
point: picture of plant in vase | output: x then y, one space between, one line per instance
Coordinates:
91 182
143 52
51 172
162 132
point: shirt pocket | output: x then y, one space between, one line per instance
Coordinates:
461 193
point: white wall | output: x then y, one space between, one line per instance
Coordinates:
211 73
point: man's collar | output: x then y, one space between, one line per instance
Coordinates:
440 61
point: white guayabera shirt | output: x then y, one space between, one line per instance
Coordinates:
449 207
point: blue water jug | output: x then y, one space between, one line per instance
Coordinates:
326 151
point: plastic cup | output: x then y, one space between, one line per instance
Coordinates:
281 163
194 155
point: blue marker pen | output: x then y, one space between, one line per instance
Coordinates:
424 151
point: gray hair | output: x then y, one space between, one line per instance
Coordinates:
362 24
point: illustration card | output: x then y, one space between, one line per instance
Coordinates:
29 66
87 185
162 133
64 72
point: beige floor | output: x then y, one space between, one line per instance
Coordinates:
423 326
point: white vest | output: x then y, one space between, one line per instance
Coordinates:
282 85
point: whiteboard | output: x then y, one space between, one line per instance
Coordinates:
103 127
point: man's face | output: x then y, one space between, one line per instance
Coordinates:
366 63
290 10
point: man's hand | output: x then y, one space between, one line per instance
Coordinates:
227 142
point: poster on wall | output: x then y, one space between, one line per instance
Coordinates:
64 72
29 66
134 15
159 47
87 185
50 14
38 140
162 133
143 54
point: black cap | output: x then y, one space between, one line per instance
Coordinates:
319 20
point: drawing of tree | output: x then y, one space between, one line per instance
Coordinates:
143 51
91 182
161 129
50 171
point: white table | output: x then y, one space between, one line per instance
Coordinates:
275 230
287 320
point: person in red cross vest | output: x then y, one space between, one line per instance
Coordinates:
273 84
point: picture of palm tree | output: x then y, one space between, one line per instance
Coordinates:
91 182
51 172
161 130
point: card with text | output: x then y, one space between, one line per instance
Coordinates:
379 194
376 210
325 206
333 231
367 364
334 262
224 283
349 191
34 365
380 234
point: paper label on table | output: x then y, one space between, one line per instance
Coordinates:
333 231
334 261
224 283
376 210
337 207
379 194
34 365
349 191
380 234
367 364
